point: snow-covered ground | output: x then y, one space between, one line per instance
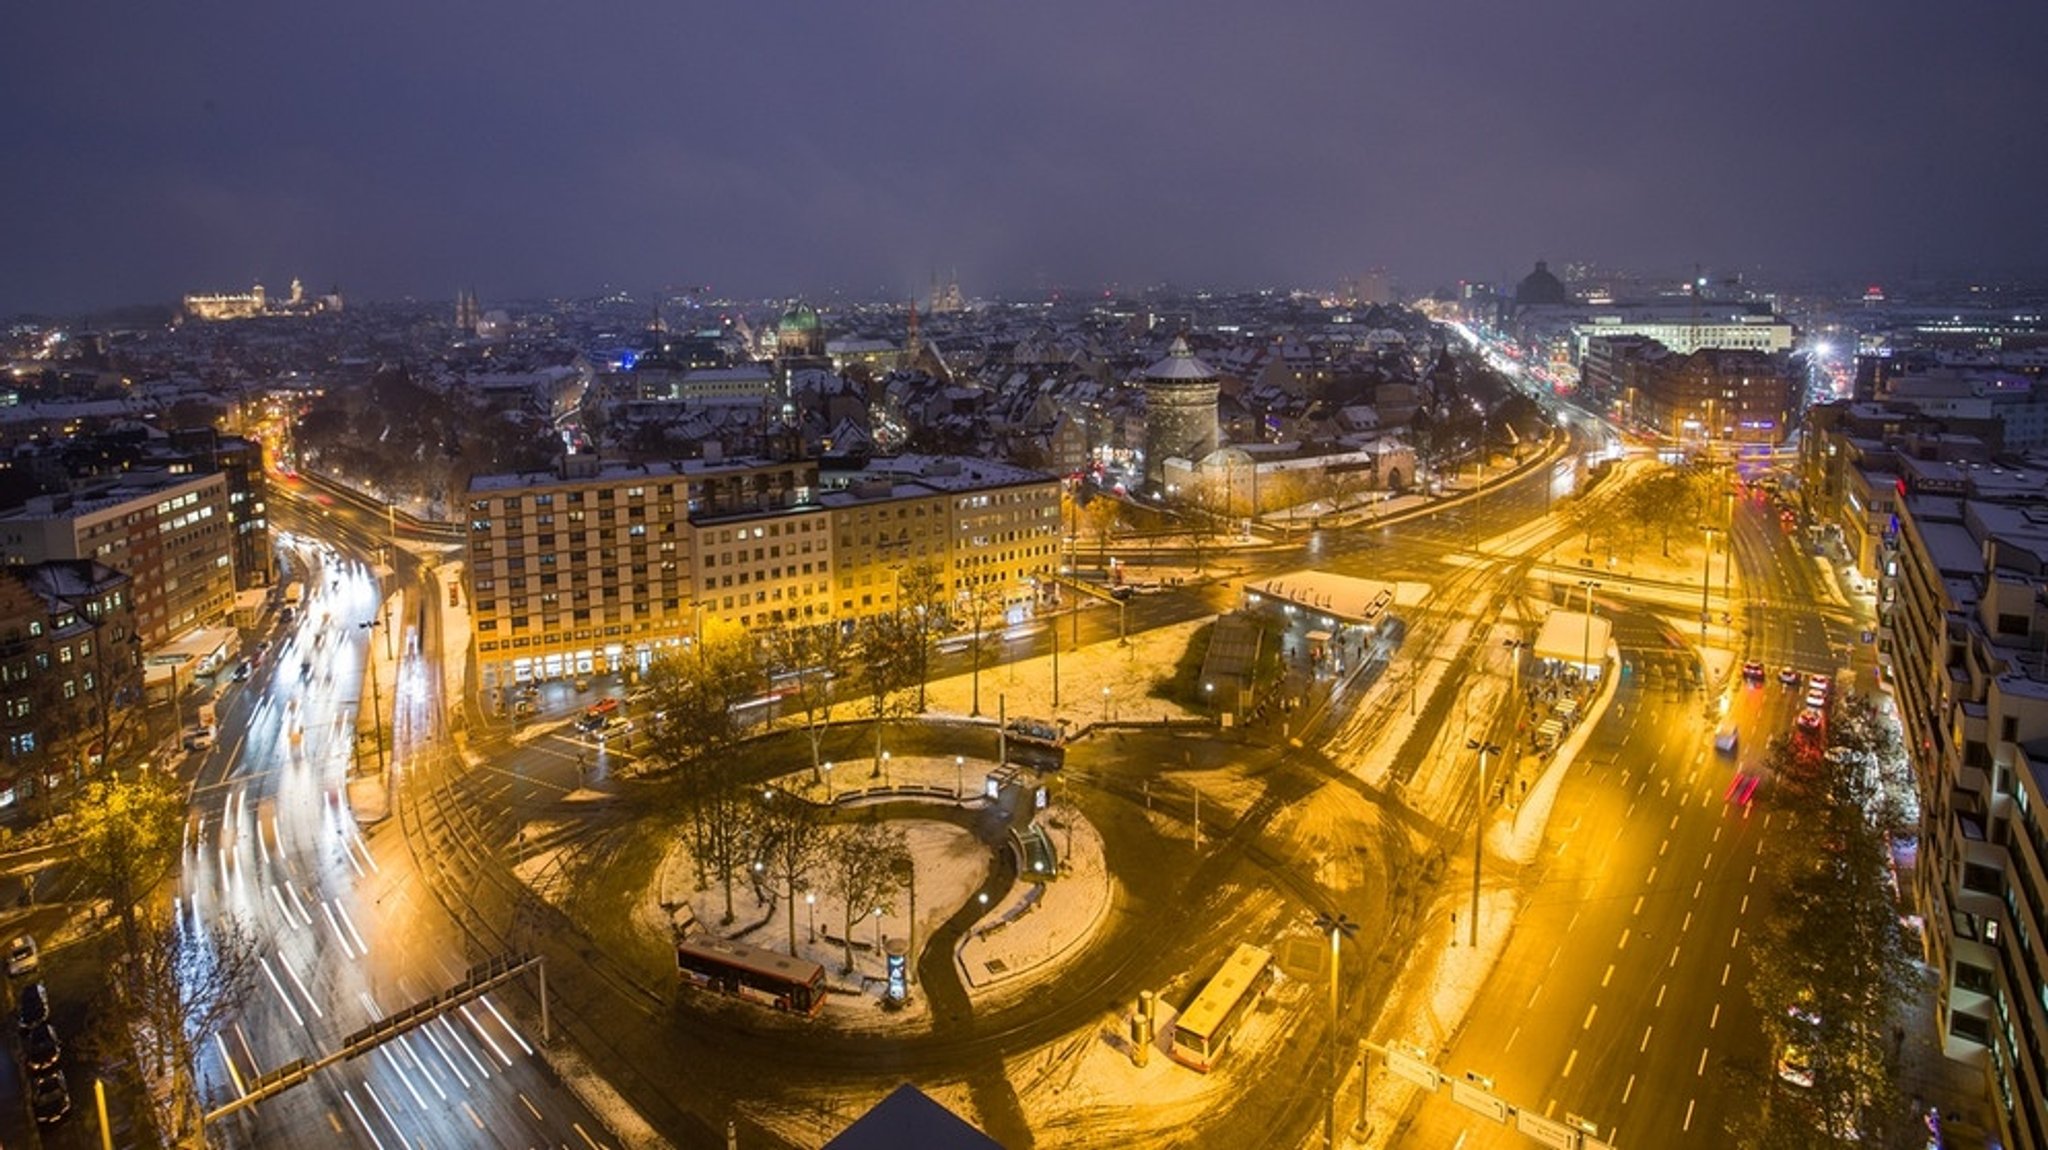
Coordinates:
1026 939
1024 686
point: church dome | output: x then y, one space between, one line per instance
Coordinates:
1541 287
801 318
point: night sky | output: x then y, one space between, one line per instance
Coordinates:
526 148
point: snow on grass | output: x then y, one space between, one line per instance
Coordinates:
1020 943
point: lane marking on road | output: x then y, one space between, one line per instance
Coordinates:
473 1116
455 1037
1663 848
592 1142
1715 1019
1707 862
1702 1071
1674 957
1652 880
1725 968
1570 1062
1623 944
364 1119
1660 993
1752 872
1673 824
1639 907
1687 924
1608 977
530 1107
1590 1012
1736 941
1644 1045
484 1037
1628 1089
1689 1104
1744 908
408 1044
1717 833
293 891
428 1032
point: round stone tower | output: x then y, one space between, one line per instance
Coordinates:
1180 410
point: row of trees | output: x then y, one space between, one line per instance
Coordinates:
1834 962
1670 503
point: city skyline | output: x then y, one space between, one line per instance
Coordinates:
781 152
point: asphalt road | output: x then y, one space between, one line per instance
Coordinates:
1621 998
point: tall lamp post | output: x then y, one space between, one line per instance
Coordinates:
1586 636
1706 576
376 693
1478 831
1338 927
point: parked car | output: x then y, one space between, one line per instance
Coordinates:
34 1009
41 1048
22 956
50 1098
242 671
199 738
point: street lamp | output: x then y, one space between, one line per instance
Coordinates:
376 694
1338 927
827 769
1105 703
811 910
1478 829
1706 576
959 776
1586 636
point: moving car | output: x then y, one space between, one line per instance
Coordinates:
1789 677
1809 719
1753 671
22 956
1795 1066
1726 738
242 671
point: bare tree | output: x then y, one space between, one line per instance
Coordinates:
862 861
984 604
921 600
692 696
176 990
887 666
818 657
792 837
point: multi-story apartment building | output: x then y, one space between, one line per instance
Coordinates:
1714 396
593 567
240 462
70 671
167 531
1964 644
988 529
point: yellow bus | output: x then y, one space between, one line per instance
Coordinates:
1202 1032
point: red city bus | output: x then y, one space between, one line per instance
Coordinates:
754 973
